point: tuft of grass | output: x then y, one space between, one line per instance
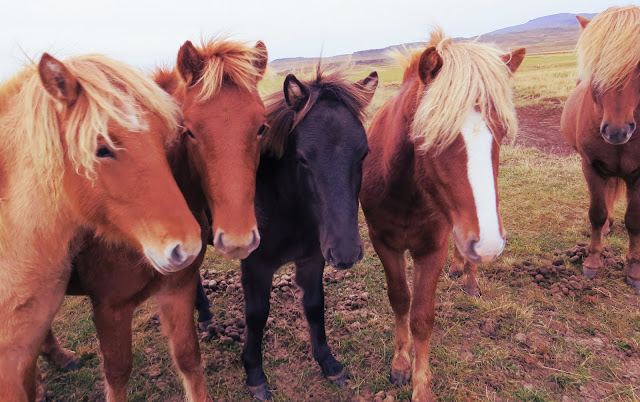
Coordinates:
531 395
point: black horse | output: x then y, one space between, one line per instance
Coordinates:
307 188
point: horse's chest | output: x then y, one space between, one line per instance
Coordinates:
405 220
617 161
287 232
629 164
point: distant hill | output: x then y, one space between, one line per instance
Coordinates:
554 21
552 33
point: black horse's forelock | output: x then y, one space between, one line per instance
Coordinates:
282 119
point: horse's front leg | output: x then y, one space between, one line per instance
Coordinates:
113 326
611 193
459 266
632 222
20 343
176 300
309 277
203 307
400 299
427 268
257 277
598 215
60 357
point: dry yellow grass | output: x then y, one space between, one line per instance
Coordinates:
545 78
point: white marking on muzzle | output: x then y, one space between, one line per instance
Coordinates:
479 141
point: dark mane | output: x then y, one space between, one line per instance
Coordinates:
282 119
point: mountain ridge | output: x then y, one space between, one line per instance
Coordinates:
550 33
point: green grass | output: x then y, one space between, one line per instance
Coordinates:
542 79
543 210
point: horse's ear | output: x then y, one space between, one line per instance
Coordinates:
260 63
295 93
430 64
514 59
58 80
583 21
369 85
190 63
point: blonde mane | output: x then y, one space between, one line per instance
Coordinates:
226 61
473 75
609 48
111 92
10 87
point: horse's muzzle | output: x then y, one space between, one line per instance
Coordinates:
617 135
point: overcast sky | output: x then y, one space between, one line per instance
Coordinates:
148 32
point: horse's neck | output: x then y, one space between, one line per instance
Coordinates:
35 232
32 216
278 179
398 151
288 173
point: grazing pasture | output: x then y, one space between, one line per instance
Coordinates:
519 341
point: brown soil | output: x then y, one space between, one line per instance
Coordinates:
539 127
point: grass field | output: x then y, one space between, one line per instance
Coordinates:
542 79
516 342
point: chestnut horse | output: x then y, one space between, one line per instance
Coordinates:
82 146
598 121
307 203
432 170
214 163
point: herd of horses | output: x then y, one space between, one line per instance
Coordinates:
112 183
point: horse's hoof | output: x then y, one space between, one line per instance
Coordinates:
339 380
202 326
455 274
634 283
590 273
260 392
64 360
400 377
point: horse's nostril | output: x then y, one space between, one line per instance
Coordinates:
471 250
330 259
632 127
604 128
255 240
177 256
220 241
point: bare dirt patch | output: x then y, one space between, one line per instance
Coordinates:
539 127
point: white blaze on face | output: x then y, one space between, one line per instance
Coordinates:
479 141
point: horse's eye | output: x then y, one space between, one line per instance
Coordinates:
263 128
190 134
302 161
104 152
